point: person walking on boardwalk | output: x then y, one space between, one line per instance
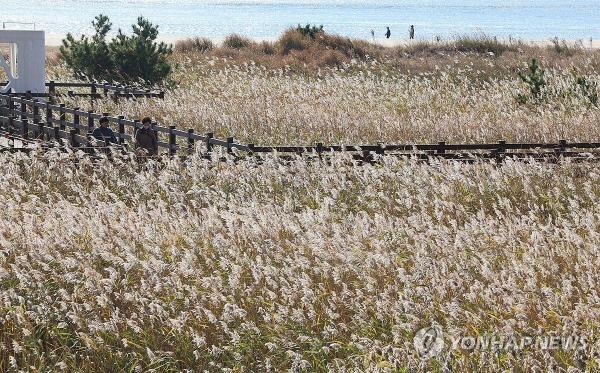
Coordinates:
145 139
411 32
104 132
388 33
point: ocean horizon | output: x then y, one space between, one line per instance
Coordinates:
267 19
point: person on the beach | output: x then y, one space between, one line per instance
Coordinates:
411 32
145 139
373 34
388 33
104 132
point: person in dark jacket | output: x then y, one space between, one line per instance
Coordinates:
104 132
411 32
388 33
145 138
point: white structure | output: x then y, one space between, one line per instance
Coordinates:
25 68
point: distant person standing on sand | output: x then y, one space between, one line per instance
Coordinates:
388 33
411 32
373 34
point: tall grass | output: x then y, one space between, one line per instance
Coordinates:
564 47
236 41
363 103
302 52
301 267
308 266
480 44
201 45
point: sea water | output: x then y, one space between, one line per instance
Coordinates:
266 19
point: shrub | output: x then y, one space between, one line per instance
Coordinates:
534 78
481 44
267 48
330 58
564 48
467 44
292 40
236 41
417 47
137 58
588 89
310 31
320 42
201 45
344 45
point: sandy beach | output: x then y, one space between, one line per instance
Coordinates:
55 40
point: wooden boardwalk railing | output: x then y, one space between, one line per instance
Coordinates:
34 118
96 90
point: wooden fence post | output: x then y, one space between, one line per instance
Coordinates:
25 128
36 120
63 116
51 89
73 138
153 127
93 94
501 153
56 134
441 147
23 109
48 115
136 126
190 140
172 141
28 96
229 142
120 119
76 120
11 106
90 120
562 147
319 149
209 146
366 155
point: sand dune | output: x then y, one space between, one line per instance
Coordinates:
54 40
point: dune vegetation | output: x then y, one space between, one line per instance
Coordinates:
307 267
200 265
466 90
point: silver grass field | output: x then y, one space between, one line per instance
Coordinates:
202 265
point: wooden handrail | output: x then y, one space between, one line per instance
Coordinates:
25 113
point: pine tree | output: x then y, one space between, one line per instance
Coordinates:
138 58
89 58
